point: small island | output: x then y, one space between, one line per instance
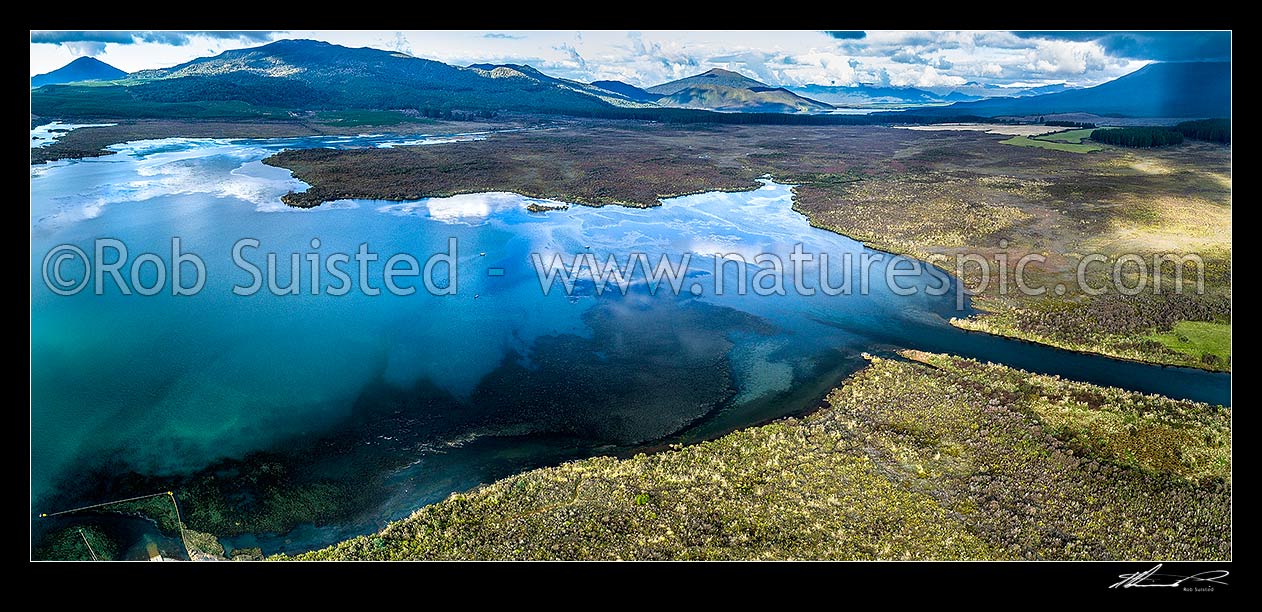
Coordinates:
540 207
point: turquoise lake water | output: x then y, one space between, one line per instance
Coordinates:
508 378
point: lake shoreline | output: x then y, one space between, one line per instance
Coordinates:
90 142
655 518
335 175
96 141
795 213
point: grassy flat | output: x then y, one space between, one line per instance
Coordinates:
1198 338
1025 141
1069 136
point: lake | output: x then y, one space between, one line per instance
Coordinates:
421 395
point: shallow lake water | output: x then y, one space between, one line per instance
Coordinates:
496 378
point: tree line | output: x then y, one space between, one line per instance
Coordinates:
457 115
689 115
1142 137
1070 124
1213 130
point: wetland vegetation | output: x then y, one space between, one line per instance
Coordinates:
934 195
926 456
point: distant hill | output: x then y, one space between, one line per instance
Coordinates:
977 91
627 90
716 76
1043 89
313 75
862 94
724 90
81 69
873 95
721 98
522 71
1173 89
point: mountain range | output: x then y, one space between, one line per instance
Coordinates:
976 91
529 73
81 69
627 90
1167 89
282 77
865 95
289 75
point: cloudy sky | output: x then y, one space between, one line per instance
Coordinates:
899 58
